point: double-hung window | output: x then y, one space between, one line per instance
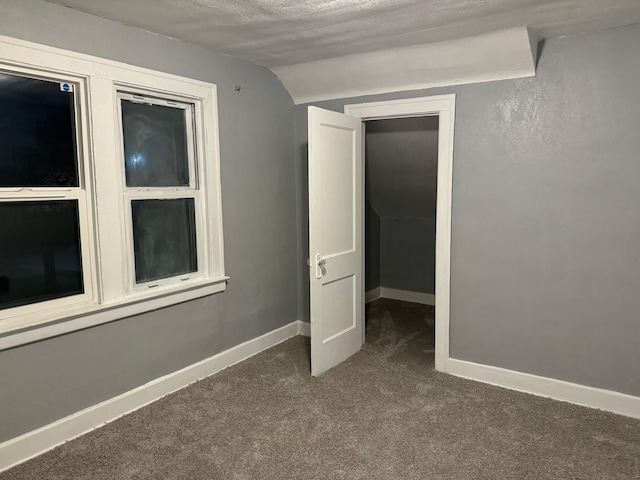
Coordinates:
45 236
109 191
161 190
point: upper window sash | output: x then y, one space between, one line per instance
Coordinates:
190 136
77 92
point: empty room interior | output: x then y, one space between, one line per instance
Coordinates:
319 240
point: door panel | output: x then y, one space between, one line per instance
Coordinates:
338 315
336 206
336 194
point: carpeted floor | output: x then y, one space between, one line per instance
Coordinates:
384 414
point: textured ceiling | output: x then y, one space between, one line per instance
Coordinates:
402 166
285 32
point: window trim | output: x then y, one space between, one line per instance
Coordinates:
99 80
80 317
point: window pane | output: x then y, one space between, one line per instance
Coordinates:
39 252
37 134
155 145
164 238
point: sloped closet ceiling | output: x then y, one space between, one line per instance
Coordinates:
402 167
280 34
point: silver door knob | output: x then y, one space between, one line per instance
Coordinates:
320 263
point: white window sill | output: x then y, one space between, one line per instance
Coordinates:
89 316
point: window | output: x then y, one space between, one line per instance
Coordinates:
44 240
109 191
161 189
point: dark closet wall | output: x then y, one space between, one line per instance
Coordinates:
371 248
401 178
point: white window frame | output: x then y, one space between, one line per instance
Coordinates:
105 239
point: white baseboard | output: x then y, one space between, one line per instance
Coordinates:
592 397
304 328
372 295
36 442
395 294
407 296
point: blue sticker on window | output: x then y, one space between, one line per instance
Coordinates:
66 87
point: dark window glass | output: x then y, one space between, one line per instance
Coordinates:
155 145
39 252
37 134
164 238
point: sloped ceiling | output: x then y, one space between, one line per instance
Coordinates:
288 36
492 56
402 166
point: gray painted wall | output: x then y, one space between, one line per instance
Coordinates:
401 159
545 267
371 248
408 254
48 380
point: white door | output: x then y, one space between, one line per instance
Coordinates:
336 213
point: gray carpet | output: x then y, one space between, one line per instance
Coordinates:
384 414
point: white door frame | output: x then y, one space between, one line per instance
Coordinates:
444 107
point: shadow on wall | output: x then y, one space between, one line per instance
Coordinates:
303 204
401 180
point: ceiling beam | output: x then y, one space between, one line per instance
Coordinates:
495 56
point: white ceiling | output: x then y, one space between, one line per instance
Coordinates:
322 49
286 32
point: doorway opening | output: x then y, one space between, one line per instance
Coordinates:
401 167
443 108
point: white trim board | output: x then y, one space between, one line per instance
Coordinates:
591 397
36 442
105 314
372 295
304 328
395 294
408 296
598 398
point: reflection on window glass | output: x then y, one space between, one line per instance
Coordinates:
155 145
40 252
164 238
37 134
